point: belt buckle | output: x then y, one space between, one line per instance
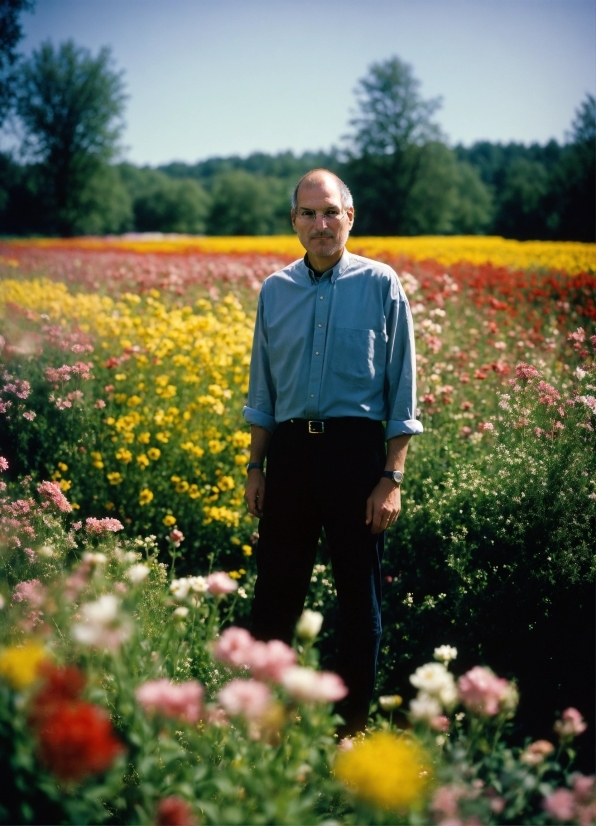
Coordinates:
316 426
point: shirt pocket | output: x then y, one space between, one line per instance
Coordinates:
358 355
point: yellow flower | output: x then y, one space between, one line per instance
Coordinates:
120 376
62 467
65 484
145 496
194 492
154 453
164 436
169 520
247 550
115 478
234 574
143 460
19 665
226 483
385 770
124 455
144 438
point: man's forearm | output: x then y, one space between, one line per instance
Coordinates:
397 448
259 442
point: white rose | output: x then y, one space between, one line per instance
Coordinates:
425 707
137 573
309 624
180 588
431 678
445 653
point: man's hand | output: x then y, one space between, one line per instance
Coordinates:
255 492
383 505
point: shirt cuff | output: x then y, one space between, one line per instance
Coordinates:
395 428
253 416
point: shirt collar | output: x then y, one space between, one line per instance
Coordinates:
333 273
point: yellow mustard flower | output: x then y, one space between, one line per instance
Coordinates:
169 520
115 478
385 770
145 496
19 665
154 453
226 483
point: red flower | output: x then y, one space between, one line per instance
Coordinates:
173 811
62 685
76 739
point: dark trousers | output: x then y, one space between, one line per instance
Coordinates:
317 481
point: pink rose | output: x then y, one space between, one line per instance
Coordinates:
313 686
220 584
183 701
482 692
246 698
233 646
570 725
560 804
270 660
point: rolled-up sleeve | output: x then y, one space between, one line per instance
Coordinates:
400 369
260 407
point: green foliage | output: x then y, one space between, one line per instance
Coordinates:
247 204
70 104
10 34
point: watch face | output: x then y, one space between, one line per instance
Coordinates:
397 476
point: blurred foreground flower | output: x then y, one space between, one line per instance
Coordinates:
308 685
103 625
174 811
19 665
570 725
386 771
390 702
483 693
445 653
182 701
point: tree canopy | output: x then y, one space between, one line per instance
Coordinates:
70 104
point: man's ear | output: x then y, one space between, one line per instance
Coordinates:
351 212
293 219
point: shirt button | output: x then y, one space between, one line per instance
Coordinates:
312 395
319 325
320 298
317 353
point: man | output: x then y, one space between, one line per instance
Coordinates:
333 358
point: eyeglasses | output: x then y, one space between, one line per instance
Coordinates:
308 216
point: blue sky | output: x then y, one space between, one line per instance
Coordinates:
221 77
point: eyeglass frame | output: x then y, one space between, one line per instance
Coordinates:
314 215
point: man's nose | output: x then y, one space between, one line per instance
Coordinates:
320 220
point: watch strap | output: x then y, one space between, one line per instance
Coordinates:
254 466
392 474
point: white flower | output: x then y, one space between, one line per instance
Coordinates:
181 612
137 573
445 653
95 558
390 702
309 624
579 373
180 588
46 550
425 707
430 677
198 584
102 625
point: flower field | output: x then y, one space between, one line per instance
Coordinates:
127 549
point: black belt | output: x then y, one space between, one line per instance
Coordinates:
317 426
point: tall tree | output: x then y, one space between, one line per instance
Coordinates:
10 34
71 105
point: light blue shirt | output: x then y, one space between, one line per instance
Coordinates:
339 346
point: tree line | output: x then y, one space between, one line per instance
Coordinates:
66 106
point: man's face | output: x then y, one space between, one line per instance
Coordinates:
320 221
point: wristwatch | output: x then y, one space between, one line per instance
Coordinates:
254 465
396 476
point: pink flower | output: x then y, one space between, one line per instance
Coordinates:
29 415
488 426
560 805
181 702
266 660
31 591
309 685
445 801
247 698
233 646
176 537
3 464
51 492
220 584
570 725
98 527
525 372
270 660
482 692
99 403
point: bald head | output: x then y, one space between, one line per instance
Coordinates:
318 177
